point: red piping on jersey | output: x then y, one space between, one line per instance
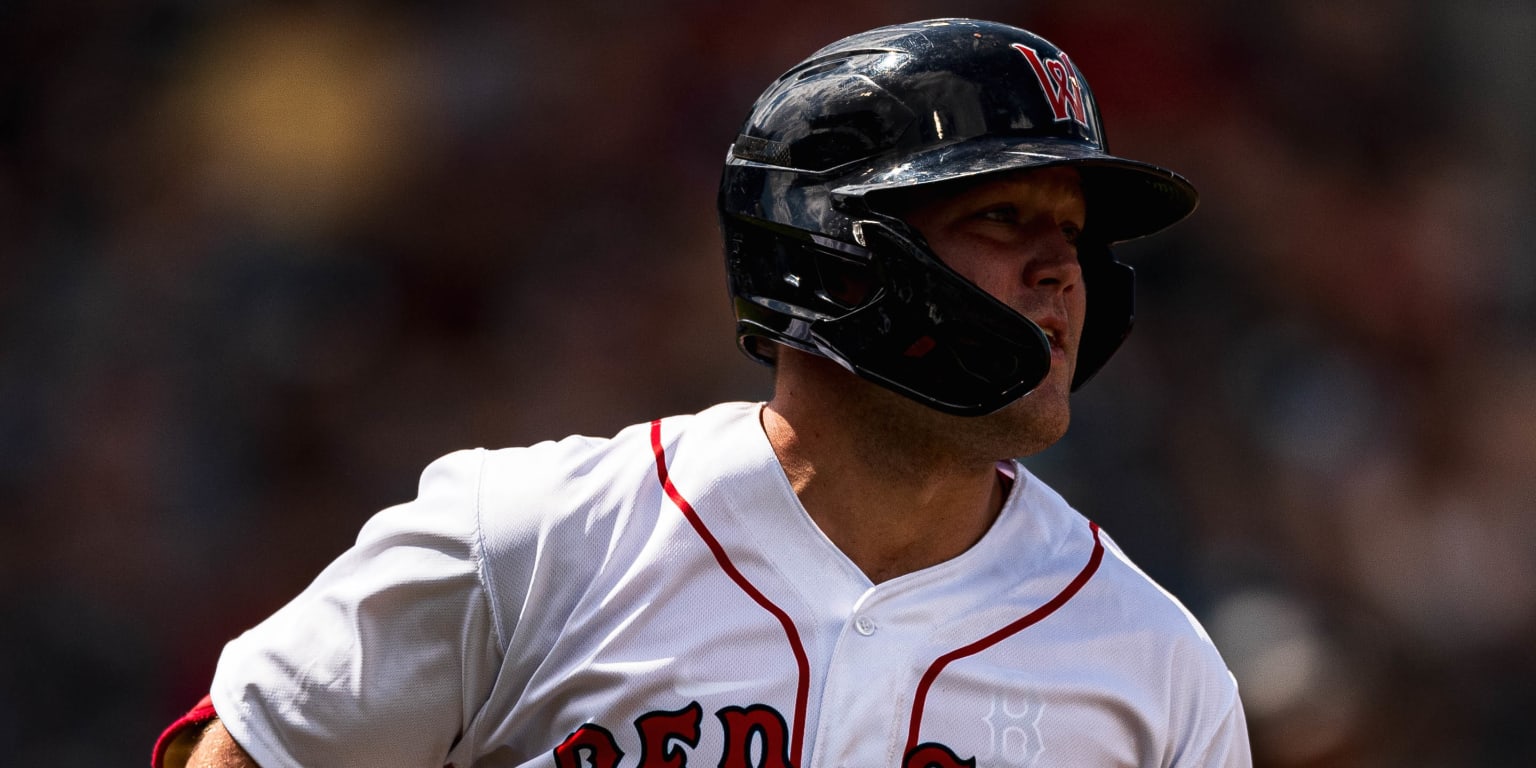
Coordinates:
199 716
1034 616
797 733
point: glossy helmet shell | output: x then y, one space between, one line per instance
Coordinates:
816 263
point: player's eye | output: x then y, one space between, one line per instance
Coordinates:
1005 213
1071 231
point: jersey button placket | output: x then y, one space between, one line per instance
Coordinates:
867 672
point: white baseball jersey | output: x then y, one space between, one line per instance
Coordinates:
661 598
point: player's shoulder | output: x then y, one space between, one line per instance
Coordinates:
578 463
1120 593
560 513
1144 599
578 475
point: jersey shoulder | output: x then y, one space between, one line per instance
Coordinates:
1145 601
1126 604
1203 702
587 477
552 516
1150 647
1127 594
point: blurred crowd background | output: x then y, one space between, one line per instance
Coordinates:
261 262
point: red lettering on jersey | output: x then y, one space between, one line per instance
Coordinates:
659 729
932 755
757 721
760 726
592 741
1061 84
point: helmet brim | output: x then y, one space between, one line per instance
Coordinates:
1126 199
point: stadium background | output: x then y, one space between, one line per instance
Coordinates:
261 262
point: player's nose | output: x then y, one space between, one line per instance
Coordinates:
1051 263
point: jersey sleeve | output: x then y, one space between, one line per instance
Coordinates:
385 657
1211 730
1225 743
1206 724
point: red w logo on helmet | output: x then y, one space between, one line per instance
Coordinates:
1062 86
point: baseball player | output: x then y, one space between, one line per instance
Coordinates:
855 574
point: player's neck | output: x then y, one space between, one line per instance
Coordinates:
892 498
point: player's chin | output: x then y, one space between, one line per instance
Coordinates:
1052 417
1037 420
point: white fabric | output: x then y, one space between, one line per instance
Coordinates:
529 592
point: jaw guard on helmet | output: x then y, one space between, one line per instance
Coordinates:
887 310
815 264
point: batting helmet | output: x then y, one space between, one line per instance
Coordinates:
815 263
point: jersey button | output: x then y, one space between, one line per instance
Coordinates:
865 626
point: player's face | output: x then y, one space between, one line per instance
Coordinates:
1014 236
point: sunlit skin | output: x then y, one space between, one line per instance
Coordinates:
899 486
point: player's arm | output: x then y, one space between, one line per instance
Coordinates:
199 739
215 748
381 660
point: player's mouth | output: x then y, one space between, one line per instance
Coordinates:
1055 336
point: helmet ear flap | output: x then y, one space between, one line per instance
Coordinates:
1111 289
